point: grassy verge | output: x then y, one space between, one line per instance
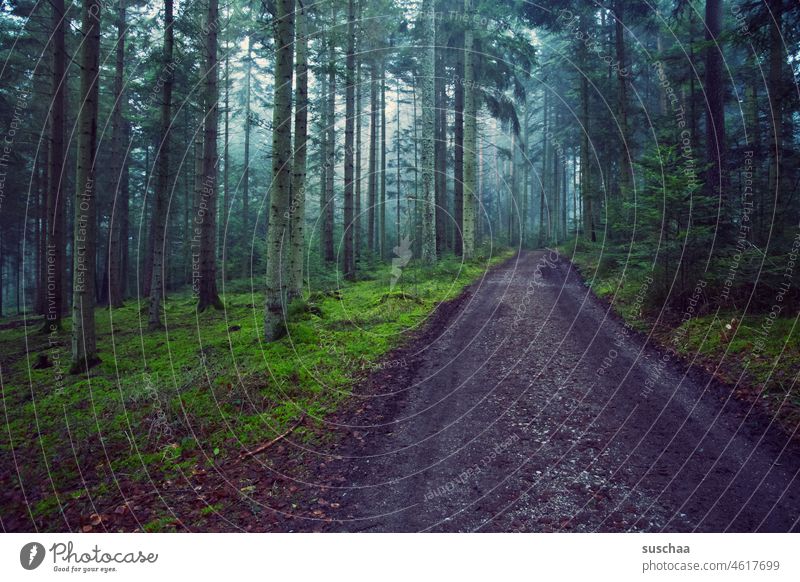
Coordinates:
758 353
168 402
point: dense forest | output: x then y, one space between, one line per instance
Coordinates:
217 217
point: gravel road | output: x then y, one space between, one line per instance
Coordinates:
526 405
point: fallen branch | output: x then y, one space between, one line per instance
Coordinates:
265 446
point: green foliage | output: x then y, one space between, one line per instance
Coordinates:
162 402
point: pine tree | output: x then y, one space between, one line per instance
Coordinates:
277 233
84 338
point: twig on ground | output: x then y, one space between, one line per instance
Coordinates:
261 448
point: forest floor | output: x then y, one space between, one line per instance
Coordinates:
123 449
527 405
522 404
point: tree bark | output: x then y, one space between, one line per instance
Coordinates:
427 158
56 197
775 87
349 266
208 296
119 210
84 339
440 141
470 144
372 178
626 170
716 156
246 172
458 161
297 208
357 210
398 227
159 226
586 193
328 251
277 235
382 205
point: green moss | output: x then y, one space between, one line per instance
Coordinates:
160 402
160 524
765 350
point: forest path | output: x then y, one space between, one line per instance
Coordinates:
506 419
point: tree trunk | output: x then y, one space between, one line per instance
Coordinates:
328 251
372 178
119 210
226 197
277 235
297 209
544 208
417 219
775 87
357 211
41 231
716 180
458 161
159 225
470 144
349 265
397 164
56 197
382 204
427 98
207 205
586 193
440 142
84 340
626 171
246 173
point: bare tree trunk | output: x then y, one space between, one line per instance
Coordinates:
586 193
777 95
382 205
397 164
84 339
349 266
277 234
372 178
208 296
428 102
297 207
440 141
246 172
458 161
544 204
470 144
226 197
417 219
328 251
159 225
479 227
358 234
626 171
41 231
198 192
56 197
716 156
119 210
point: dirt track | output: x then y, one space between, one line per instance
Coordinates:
507 419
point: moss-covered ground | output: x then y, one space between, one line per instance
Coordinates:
758 353
166 402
